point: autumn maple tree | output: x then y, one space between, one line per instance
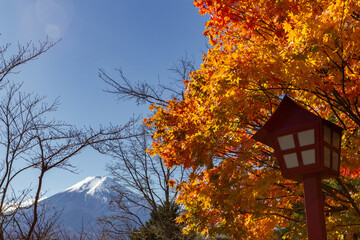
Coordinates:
260 51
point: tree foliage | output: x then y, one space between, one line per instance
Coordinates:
162 226
261 50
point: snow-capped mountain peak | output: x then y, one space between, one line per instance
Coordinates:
92 185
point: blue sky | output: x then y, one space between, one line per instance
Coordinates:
142 37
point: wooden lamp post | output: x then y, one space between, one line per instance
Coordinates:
307 148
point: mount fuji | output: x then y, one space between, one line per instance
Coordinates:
81 204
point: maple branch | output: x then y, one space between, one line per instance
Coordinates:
141 92
348 196
285 217
324 96
25 54
267 30
333 193
277 197
346 105
345 225
338 103
355 15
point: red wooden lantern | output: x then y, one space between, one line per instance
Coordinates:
307 148
303 142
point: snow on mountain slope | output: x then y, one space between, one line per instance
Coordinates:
92 185
85 201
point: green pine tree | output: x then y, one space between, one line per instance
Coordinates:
162 226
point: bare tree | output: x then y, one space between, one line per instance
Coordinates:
145 93
133 167
144 186
31 142
24 53
47 226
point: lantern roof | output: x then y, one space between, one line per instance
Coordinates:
288 115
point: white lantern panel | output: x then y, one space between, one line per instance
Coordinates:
308 157
327 134
286 142
306 137
327 156
291 160
336 140
335 163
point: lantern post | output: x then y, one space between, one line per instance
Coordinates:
307 148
